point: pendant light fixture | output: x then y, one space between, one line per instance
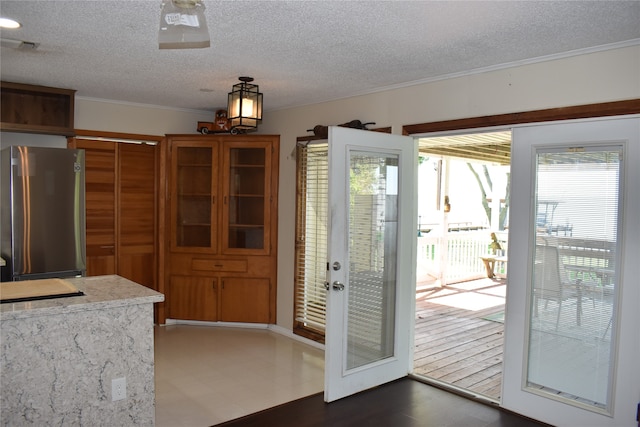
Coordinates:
245 105
183 25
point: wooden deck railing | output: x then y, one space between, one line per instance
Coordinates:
462 259
589 260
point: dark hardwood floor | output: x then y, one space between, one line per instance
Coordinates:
402 403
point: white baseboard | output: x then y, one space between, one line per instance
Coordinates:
273 328
289 334
169 322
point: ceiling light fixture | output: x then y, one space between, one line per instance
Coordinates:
183 25
9 23
245 105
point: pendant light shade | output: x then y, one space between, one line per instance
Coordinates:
245 105
183 25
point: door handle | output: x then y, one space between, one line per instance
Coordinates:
338 286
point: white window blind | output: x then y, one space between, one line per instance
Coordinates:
311 236
574 292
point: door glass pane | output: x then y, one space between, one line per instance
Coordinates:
193 196
573 293
373 221
246 198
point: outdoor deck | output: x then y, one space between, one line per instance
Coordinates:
455 342
459 327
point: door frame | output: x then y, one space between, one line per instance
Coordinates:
487 123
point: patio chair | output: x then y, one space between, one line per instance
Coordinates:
549 282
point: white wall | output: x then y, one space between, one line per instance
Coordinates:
96 114
605 76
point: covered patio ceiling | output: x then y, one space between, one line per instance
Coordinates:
492 147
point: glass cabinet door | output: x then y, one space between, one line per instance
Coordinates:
194 197
247 197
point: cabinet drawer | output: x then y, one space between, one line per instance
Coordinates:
238 266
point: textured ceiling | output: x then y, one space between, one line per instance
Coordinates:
299 52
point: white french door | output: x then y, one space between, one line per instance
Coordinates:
572 345
371 260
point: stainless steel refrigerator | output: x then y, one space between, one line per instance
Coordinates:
42 191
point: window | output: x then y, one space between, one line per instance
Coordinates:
311 240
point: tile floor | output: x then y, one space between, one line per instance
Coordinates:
208 374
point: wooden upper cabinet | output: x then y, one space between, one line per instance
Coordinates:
221 194
194 194
37 109
246 210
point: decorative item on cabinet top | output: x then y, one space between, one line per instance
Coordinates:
220 125
323 131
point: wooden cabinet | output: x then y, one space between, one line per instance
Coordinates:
226 299
37 109
183 291
121 182
245 300
194 193
223 227
225 181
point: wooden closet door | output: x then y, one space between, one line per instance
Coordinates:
100 189
137 223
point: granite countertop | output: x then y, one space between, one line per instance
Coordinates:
100 292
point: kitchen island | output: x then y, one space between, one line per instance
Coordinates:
59 356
